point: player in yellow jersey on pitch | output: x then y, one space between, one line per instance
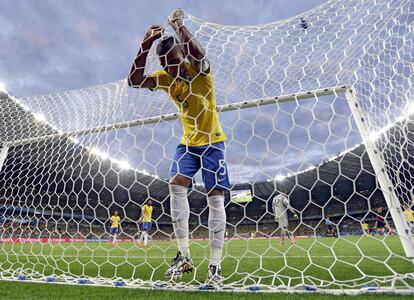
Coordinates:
115 225
187 78
146 222
409 215
365 228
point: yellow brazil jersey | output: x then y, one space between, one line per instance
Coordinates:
115 221
364 226
147 213
409 214
196 103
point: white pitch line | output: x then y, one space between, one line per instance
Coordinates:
194 257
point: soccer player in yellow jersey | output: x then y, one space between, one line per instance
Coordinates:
365 228
187 78
146 222
115 224
409 215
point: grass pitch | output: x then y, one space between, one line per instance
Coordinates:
351 262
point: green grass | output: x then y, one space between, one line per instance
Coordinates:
19 290
354 260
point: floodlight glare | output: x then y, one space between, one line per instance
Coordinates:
40 117
124 164
280 178
2 88
410 109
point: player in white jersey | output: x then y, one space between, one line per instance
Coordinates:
280 206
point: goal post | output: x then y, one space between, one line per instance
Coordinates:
388 189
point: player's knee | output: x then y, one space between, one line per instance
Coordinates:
180 181
216 203
213 193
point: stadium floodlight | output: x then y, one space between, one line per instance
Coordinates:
74 139
400 118
39 117
123 164
279 178
96 151
410 109
2 88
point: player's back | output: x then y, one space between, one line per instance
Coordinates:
280 203
147 213
115 221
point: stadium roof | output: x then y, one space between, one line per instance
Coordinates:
36 173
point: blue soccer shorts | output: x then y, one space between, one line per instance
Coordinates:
146 226
210 159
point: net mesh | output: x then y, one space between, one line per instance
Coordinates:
70 159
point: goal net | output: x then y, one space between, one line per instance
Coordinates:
319 105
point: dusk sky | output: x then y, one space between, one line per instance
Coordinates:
50 47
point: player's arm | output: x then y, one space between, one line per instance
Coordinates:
191 47
137 77
290 208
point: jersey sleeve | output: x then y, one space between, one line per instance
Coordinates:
161 79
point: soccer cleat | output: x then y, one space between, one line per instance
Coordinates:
214 278
180 265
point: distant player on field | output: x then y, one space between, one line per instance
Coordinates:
330 227
187 78
146 222
365 228
409 215
115 224
280 206
380 222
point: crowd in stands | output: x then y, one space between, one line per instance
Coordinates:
81 229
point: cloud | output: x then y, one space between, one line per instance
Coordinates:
63 45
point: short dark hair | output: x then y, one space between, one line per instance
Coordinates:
166 44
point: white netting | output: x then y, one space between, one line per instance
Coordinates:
71 159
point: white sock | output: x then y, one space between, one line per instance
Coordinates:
142 236
216 228
180 213
145 238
